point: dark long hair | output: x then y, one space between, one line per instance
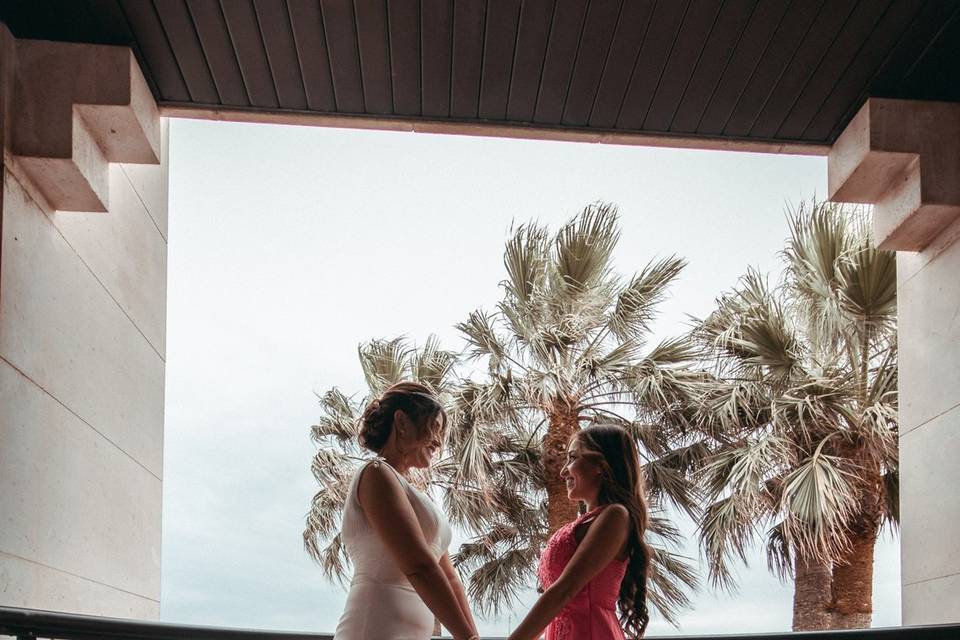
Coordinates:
622 482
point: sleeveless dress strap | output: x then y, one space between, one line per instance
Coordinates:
590 516
379 460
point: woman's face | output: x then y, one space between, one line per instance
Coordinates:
581 474
419 451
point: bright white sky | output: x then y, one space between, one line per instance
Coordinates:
289 246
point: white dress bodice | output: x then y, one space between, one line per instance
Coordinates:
382 603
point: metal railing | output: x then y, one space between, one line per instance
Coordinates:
33 624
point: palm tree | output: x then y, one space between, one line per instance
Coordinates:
801 411
566 347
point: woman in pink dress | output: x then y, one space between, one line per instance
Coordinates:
598 563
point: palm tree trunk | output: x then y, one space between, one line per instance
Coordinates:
811 594
563 424
853 580
852 586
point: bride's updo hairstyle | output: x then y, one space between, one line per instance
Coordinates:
417 401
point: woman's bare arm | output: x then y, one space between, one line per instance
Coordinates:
461 594
393 519
605 539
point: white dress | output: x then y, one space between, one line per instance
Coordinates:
382 604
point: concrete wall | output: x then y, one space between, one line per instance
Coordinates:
929 336
82 349
903 156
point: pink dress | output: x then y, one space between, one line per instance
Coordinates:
592 613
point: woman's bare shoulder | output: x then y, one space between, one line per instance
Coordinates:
376 477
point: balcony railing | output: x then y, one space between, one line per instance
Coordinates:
32 624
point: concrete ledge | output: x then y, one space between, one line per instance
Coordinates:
900 155
76 108
487 129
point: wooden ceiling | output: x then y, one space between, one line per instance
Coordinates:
772 71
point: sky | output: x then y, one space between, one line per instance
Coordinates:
290 246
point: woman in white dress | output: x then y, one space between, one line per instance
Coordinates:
395 535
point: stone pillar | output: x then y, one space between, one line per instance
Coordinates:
83 225
904 158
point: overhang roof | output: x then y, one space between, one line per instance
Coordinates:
783 73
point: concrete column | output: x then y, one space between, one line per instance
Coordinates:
83 224
904 158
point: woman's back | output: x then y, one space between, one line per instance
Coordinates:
382 603
591 613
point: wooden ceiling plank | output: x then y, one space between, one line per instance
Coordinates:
404 25
771 66
864 69
146 28
657 47
218 50
716 56
599 27
912 42
937 65
373 40
697 26
533 32
185 44
436 41
244 32
562 47
281 51
340 32
307 25
468 27
842 51
500 43
809 56
755 39
635 24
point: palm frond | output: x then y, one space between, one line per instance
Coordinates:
779 553
672 578
891 498
334 561
468 506
500 564
339 419
819 497
433 366
867 287
482 339
636 302
726 533
583 248
525 258
667 483
384 363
